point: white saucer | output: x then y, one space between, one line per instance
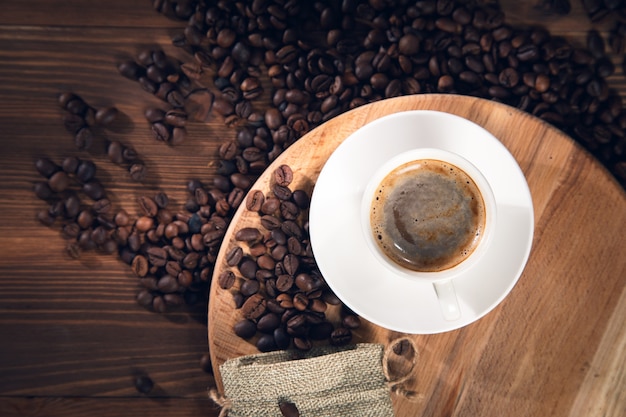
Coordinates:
367 286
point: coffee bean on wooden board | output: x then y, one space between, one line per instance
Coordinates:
289 308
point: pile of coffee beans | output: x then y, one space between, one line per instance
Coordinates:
275 282
325 57
78 205
163 77
173 253
80 118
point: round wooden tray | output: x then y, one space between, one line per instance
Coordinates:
556 344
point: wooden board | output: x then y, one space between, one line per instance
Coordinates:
556 345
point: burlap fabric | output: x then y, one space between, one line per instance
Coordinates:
325 381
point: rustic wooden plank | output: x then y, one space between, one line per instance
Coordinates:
116 13
157 406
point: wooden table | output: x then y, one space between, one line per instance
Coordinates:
72 336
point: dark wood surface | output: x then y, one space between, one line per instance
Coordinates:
71 334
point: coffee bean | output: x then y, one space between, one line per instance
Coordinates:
46 167
340 336
101 206
106 116
248 268
282 339
291 264
58 181
266 343
148 206
245 328
283 175
254 307
268 323
248 234
83 138
42 190
270 205
157 256
176 117
144 384
255 200
249 287
137 172
226 280
234 256
167 284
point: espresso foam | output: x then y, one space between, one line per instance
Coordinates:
427 215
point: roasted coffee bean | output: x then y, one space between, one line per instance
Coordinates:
147 206
85 171
255 200
281 338
240 181
245 328
266 343
291 263
254 307
283 175
101 206
226 280
281 192
248 234
85 219
58 181
234 256
176 117
115 152
300 301
289 210
270 205
340 336
248 268
42 190
137 172
249 287
94 190
106 116
144 223
46 167
595 44
144 384
158 304
157 256
144 298
83 138
268 323
284 283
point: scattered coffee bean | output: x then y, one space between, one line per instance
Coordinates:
144 384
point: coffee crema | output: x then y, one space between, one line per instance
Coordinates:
427 215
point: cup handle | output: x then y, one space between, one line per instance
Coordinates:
447 300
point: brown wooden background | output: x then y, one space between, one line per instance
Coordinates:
71 334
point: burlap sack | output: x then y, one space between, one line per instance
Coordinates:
325 381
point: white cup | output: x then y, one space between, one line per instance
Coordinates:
442 280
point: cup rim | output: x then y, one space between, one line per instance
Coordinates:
435 154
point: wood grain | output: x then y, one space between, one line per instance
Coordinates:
523 354
71 335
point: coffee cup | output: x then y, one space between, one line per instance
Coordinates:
429 214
